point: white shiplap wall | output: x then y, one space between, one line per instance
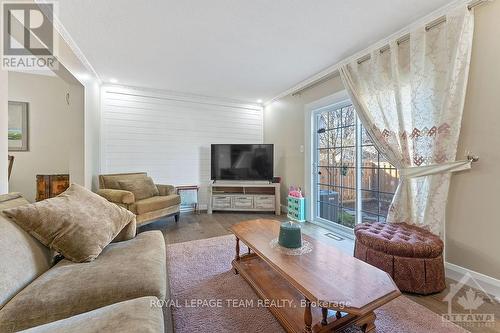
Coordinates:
169 135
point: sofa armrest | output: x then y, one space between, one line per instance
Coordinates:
166 189
117 196
128 232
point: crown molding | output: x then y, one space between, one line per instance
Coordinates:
66 37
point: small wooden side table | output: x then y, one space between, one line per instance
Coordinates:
49 186
190 188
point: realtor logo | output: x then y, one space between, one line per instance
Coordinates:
28 41
470 301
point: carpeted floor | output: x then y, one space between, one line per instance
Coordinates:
200 272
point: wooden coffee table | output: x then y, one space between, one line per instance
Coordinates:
324 290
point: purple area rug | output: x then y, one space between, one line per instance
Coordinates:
206 296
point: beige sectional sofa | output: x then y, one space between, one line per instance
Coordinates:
116 292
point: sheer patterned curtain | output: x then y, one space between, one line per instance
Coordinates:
410 99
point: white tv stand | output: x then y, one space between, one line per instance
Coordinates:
244 196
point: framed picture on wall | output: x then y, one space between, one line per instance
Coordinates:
18 126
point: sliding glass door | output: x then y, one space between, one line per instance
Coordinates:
335 165
352 182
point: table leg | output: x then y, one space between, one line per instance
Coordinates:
324 313
237 256
197 209
367 323
307 317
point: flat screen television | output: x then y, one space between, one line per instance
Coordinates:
242 162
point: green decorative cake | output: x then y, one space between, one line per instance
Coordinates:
290 235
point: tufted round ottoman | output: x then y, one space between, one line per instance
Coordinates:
411 255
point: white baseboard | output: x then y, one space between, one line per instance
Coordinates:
201 207
488 283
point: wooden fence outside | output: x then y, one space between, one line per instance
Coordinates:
346 177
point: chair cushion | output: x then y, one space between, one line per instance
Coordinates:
111 181
136 315
77 223
155 203
142 188
123 271
399 239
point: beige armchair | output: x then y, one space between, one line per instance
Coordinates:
163 203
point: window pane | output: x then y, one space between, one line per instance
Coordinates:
323 140
388 180
337 189
348 177
323 120
334 158
366 217
349 157
347 217
369 155
348 198
323 187
329 176
335 118
328 212
369 179
336 176
370 203
323 176
335 136
348 116
323 157
349 136
329 196
385 203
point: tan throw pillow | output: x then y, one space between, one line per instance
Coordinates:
77 223
142 188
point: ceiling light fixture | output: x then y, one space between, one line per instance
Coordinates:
259 101
113 80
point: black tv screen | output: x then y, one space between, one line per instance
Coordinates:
242 162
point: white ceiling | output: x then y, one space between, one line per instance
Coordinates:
240 49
